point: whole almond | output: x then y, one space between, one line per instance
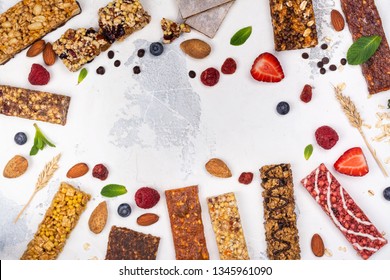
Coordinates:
317 245
218 168
337 20
16 167
98 219
77 170
195 48
147 219
36 48
49 56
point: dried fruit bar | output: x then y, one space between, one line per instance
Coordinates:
185 215
363 20
281 232
34 105
293 24
127 244
59 221
30 20
344 212
227 227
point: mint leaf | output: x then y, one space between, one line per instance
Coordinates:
241 36
363 49
82 75
308 151
40 141
113 190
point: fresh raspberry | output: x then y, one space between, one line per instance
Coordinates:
246 178
210 77
146 197
38 76
229 66
100 172
326 137
306 93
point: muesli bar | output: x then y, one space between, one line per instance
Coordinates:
344 212
185 215
30 20
60 219
294 24
281 232
34 105
364 20
227 227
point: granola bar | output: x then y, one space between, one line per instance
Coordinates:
30 20
281 232
34 105
227 227
344 212
364 20
60 219
127 244
185 215
293 24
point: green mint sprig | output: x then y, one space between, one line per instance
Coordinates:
40 141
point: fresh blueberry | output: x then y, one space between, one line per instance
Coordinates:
156 48
124 210
20 138
283 108
386 193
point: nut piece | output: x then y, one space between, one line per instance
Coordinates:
36 48
77 170
49 56
16 167
147 219
337 20
218 168
195 48
317 245
98 218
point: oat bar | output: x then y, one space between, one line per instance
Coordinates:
185 215
363 20
226 222
344 212
127 244
281 232
59 221
293 24
30 20
34 105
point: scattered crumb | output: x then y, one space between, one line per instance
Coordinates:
328 252
341 68
387 161
371 192
342 248
383 233
94 258
86 246
367 126
328 39
380 106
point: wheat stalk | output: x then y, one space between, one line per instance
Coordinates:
43 179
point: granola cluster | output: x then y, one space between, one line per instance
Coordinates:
173 30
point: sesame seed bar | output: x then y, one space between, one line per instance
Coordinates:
60 219
226 222
34 105
30 20
293 24
281 232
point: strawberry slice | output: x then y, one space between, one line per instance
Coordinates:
352 163
267 68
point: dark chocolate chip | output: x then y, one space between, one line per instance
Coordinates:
322 71
63 55
343 61
332 67
101 70
136 70
305 55
324 46
320 64
192 74
110 54
325 60
141 52
117 63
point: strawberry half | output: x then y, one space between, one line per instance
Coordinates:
352 163
267 68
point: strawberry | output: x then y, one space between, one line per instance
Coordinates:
352 163
267 68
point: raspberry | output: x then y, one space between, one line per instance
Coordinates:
146 197
210 77
306 93
229 66
245 178
326 137
38 76
100 172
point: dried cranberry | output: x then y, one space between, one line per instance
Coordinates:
100 172
210 77
306 93
245 178
229 66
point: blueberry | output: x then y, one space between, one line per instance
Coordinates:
386 193
124 210
156 48
283 108
20 138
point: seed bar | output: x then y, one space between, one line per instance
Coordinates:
363 20
344 212
127 244
293 24
60 219
185 215
30 20
281 232
34 105
227 227
192 7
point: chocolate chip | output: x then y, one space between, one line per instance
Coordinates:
325 60
110 54
322 71
141 53
305 55
136 70
101 70
343 61
332 67
192 74
63 55
324 46
320 64
117 63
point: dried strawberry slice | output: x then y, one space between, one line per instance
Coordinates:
229 66
210 77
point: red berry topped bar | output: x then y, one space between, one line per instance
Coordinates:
344 212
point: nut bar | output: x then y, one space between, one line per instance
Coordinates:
34 105
127 244
281 232
293 24
120 18
59 221
344 212
227 227
363 20
185 215
30 20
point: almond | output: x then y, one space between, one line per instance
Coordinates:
36 48
49 56
16 167
147 219
98 219
195 48
317 245
337 20
218 168
77 170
